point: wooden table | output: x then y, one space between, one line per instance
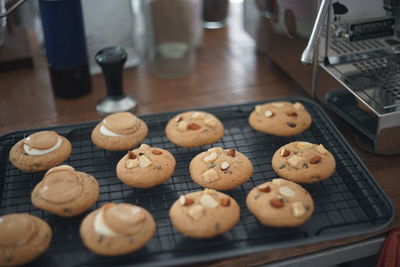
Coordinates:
228 71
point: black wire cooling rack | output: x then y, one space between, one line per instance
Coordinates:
347 204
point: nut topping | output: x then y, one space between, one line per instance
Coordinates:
185 201
258 109
178 118
285 152
264 189
231 152
298 106
131 155
224 165
296 161
198 115
182 126
193 126
211 157
210 123
277 203
144 162
196 212
298 209
304 145
315 160
156 152
278 104
210 176
321 149
269 114
131 163
291 114
286 191
225 202
208 201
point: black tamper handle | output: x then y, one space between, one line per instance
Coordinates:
111 61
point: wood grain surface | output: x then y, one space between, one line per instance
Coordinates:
228 71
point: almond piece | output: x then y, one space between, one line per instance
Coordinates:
210 176
285 152
225 202
131 155
224 165
193 126
304 145
298 106
231 152
197 116
268 114
211 157
296 161
185 201
144 162
217 150
298 209
286 191
321 149
182 126
259 109
291 114
131 163
277 203
278 104
208 201
196 212
210 123
315 160
156 152
264 189
144 147
178 118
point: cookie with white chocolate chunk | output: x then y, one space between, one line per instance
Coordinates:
220 169
117 229
119 131
194 129
303 162
23 238
280 203
280 118
146 167
40 151
204 214
65 192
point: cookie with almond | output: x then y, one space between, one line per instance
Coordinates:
119 131
280 118
146 167
116 229
194 129
303 162
220 169
204 214
280 203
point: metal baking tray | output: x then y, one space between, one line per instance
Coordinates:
347 204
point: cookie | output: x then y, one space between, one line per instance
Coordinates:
220 169
204 214
303 162
280 203
117 229
146 167
23 238
65 192
194 129
280 118
119 131
40 151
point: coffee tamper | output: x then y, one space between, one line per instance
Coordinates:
111 61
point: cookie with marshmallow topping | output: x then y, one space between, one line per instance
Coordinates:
280 203
204 214
40 151
116 229
303 162
194 129
23 238
119 131
65 192
280 118
220 169
146 167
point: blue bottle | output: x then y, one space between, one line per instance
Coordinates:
64 39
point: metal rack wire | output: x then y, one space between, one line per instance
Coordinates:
348 203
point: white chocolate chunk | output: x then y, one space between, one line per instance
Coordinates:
210 191
196 212
208 201
268 113
278 104
217 150
224 165
298 209
132 163
259 109
277 181
286 191
210 123
198 116
298 106
182 126
144 147
178 118
210 176
321 149
144 162
210 158
304 145
296 161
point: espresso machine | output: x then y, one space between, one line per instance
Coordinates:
353 47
